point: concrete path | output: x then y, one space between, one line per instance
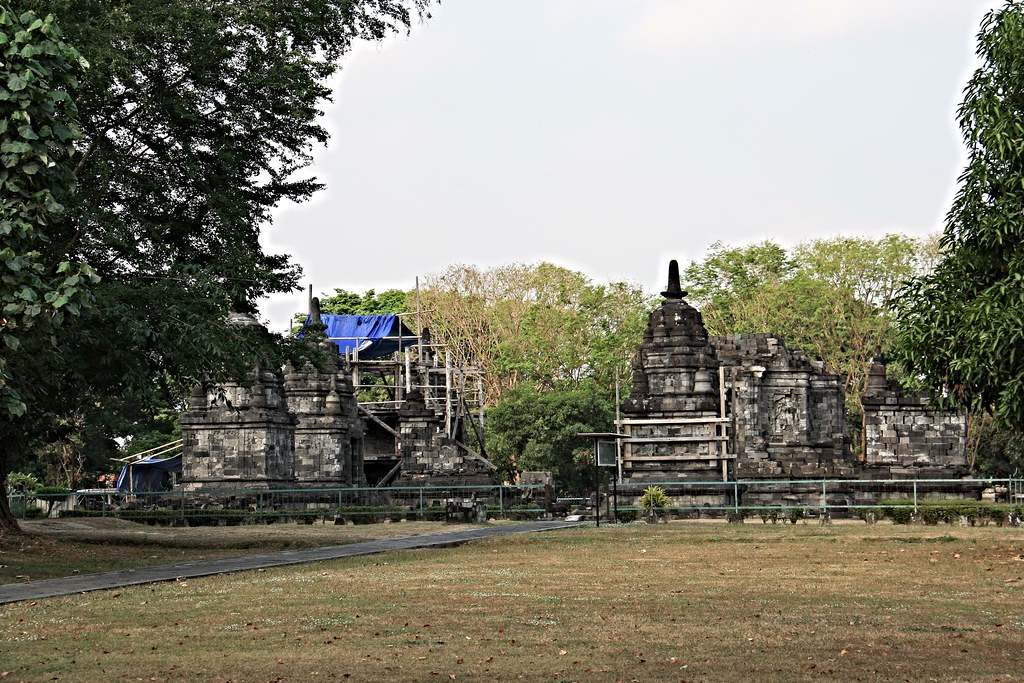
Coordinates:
187 570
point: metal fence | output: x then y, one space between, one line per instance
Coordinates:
770 499
775 499
229 506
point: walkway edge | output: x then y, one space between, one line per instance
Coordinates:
69 585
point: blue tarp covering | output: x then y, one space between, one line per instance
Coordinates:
373 335
148 475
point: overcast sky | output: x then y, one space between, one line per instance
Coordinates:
609 136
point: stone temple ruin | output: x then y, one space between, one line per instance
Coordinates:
310 427
390 409
745 407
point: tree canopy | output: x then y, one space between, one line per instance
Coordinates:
538 326
194 120
343 302
961 327
532 430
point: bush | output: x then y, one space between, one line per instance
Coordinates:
21 483
627 516
524 511
898 515
370 514
796 514
735 516
52 491
868 515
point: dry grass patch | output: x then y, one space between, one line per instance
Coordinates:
677 602
55 547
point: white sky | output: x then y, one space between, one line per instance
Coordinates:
609 136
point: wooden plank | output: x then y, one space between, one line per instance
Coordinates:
390 475
475 455
382 423
677 421
712 457
676 439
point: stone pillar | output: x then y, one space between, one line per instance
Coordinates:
323 454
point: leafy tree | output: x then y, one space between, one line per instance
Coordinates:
343 302
531 430
538 326
961 328
41 288
194 118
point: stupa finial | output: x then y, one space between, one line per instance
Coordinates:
674 290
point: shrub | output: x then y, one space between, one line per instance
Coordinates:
869 516
898 515
21 483
52 491
654 500
370 514
524 511
627 516
735 516
796 514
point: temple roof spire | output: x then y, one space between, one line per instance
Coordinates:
674 290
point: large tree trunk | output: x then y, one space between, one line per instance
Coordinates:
8 524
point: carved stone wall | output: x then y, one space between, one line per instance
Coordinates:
674 416
428 456
327 430
746 407
787 413
238 437
290 428
906 439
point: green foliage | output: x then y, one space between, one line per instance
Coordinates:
654 500
39 285
539 326
736 516
898 515
343 302
998 451
21 483
191 123
52 491
961 328
530 430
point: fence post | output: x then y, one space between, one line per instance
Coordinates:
182 506
736 496
501 499
421 504
824 496
915 496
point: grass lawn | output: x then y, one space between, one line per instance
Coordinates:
64 547
686 601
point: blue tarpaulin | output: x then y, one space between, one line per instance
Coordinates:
373 336
149 475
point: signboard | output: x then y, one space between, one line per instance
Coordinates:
606 454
